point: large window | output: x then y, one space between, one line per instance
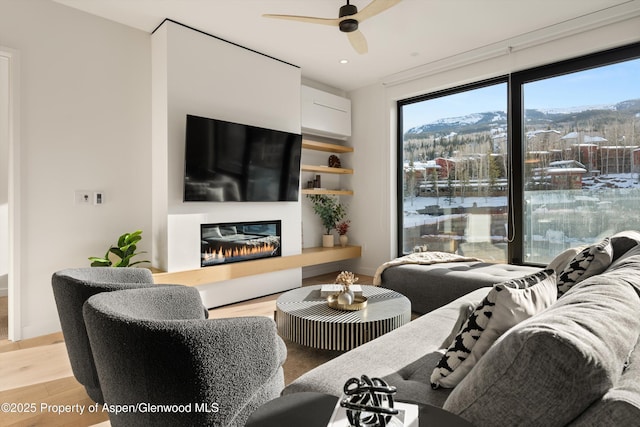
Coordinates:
581 158
573 140
454 171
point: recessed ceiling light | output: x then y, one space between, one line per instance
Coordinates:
344 61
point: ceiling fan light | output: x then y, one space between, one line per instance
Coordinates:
348 25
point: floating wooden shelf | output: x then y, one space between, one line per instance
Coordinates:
323 146
327 191
325 169
218 273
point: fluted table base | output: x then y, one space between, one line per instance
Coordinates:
304 317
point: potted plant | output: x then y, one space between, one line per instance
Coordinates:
330 211
343 228
125 249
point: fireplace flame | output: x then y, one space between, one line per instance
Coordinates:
243 251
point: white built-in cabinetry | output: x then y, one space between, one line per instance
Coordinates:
325 114
326 123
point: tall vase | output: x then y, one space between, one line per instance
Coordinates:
327 240
344 239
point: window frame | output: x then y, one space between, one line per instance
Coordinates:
400 144
515 131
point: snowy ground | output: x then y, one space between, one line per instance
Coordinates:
557 219
413 218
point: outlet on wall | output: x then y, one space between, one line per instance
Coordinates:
83 197
98 198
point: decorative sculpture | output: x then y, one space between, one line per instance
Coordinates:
369 402
334 161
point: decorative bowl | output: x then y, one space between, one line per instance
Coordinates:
359 302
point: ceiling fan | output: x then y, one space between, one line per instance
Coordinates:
348 20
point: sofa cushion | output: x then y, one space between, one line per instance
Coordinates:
591 261
506 305
620 406
563 359
429 287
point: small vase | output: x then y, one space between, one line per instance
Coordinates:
346 297
327 240
343 240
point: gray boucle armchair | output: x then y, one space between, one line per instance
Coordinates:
154 347
71 288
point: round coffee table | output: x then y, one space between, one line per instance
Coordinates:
304 317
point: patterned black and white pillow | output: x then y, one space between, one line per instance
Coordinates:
591 261
470 343
463 343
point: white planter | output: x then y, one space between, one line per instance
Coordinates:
327 240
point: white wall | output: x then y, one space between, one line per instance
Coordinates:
374 112
198 74
4 175
84 124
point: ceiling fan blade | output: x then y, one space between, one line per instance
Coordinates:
309 19
358 41
374 8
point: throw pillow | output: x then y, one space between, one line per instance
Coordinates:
464 311
561 261
507 304
591 261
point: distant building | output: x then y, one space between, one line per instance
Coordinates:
566 174
561 175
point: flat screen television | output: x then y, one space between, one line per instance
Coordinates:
227 161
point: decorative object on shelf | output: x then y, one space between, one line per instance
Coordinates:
334 161
345 299
125 249
330 211
369 402
342 228
317 182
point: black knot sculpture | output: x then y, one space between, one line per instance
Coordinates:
369 402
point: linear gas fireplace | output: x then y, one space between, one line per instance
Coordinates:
239 241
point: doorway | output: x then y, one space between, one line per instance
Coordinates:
10 326
4 197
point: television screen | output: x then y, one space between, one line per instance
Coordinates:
227 161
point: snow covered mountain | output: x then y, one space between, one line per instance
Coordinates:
486 121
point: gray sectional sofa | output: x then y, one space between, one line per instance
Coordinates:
429 287
576 362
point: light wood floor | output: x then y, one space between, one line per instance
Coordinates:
37 371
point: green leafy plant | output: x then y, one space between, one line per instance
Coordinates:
329 209
125 249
